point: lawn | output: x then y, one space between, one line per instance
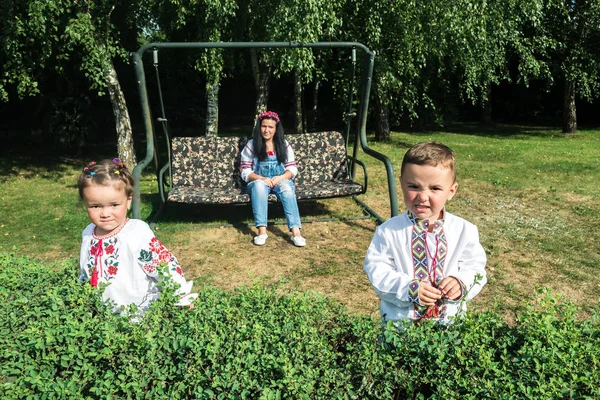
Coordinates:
532 192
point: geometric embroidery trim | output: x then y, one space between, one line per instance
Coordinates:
421 268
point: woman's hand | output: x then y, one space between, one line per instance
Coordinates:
277 180
270 182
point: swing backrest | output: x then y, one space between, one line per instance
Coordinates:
213 162
207 162
321 157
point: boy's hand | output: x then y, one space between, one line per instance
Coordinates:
428 295
451 288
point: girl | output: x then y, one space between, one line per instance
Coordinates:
124 254
268 165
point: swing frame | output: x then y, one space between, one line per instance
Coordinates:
360 137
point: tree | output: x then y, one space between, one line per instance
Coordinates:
287 21
568 37
46 34
200 21
552 40
483 39
410 55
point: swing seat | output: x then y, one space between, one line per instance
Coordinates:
206 170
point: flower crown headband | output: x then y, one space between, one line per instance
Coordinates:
268 114
88 168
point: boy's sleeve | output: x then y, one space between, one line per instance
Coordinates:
389 279
471 264
153 255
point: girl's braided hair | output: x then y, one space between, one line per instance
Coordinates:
106 173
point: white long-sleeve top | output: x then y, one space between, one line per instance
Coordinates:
249 161
129 261
389 265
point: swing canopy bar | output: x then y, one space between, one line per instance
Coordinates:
361 114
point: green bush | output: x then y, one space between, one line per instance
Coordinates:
59 340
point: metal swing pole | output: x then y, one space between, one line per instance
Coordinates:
349 113
162 119
361 137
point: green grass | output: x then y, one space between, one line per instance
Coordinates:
532 192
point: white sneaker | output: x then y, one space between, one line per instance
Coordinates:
260 240
299 241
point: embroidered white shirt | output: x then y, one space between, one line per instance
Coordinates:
389 264
129 263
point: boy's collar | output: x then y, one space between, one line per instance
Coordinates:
424 223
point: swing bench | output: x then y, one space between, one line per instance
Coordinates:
206 169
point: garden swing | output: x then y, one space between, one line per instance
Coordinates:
205 169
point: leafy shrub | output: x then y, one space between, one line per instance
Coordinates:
59 340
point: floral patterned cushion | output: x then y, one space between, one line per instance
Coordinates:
206 162
206 169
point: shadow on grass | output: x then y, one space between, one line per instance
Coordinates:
495 130
239 216
30 166
30 161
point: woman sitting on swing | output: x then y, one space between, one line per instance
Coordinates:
268 166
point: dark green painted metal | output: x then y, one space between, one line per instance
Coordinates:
361 136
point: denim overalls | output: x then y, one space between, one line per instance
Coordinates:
284 190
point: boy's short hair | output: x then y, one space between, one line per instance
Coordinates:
430 153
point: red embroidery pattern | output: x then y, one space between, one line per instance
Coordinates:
150 268
103 260
156 254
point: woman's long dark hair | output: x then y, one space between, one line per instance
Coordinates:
260 148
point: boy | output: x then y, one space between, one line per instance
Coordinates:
426 263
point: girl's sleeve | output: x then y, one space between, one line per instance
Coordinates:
290 163
471 264
389 280
84 256
83 271
159 263
246 160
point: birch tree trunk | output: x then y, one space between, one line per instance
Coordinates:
382 120
261 83
298 128
569 109
125 149
486 112
212 107
313 116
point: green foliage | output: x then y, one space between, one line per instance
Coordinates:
429 51
59 340
42 35
567 41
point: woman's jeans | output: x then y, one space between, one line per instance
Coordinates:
284 190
